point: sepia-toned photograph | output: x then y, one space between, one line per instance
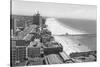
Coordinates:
45 33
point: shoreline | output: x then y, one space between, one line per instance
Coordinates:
61 36
71 46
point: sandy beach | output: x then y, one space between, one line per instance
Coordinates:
69 45
57 29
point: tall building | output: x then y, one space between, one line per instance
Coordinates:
36 18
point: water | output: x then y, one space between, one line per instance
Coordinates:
58 29
77 28
88 26
87 40
90 42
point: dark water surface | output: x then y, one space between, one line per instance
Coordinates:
87 40
88 26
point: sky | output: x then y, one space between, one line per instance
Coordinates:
59 10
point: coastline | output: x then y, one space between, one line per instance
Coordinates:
71 46
63 34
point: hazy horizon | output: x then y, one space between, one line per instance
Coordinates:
79 18
59 10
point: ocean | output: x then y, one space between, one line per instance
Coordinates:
88 26
87 40
61 26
